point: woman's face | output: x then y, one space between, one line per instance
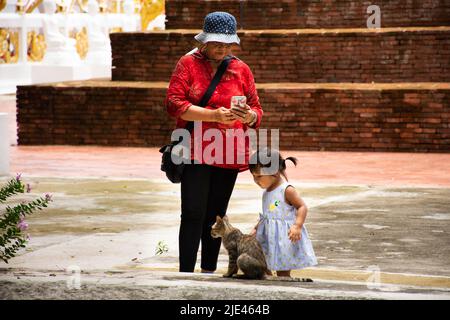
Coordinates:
217 50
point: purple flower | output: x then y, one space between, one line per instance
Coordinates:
18 177
48 197
28 188
22 225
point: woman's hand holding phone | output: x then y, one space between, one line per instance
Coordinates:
241 109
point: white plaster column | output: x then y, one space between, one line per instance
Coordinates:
4 144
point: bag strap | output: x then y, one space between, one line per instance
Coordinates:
212 86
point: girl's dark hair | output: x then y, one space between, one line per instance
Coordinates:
264 158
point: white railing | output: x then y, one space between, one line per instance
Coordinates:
67 22
23 69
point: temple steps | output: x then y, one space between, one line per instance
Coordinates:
281 14
300 55
335 117
106 83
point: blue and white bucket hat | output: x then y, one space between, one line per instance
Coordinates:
219 26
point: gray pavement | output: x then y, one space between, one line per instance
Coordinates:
372 242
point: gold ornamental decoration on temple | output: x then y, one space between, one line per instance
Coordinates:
137 6
61 6
150 9
9 46
82 43
117 6
2 4
103 6
36 46
83 4
20 6
31 5
115 30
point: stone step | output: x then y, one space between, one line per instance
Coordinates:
335 117
276 14
299 55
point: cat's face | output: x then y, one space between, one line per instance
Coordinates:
218 228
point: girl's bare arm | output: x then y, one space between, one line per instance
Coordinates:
294 200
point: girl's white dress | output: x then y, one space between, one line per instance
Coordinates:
272 233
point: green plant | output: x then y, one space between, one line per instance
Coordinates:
12 220
161 248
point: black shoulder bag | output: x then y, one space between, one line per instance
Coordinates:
175 171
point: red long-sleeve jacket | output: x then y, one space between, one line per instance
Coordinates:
189 82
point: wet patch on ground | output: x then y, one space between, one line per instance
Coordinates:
385 228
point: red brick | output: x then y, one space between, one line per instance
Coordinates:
275 14
134 116
316 57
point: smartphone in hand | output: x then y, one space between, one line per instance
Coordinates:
238 102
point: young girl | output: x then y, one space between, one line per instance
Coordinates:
280 229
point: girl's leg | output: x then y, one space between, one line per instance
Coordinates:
195 185
222 185
285 273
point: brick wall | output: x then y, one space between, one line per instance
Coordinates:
281 14
359 120
394 56
308 118
114 116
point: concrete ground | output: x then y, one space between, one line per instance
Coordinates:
379 222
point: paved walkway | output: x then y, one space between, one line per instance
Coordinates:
345 168
163 285
373 217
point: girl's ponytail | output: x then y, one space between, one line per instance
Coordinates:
292 159
283 165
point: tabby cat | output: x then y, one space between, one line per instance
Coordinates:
244 251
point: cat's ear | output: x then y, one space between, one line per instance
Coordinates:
218 219
225 218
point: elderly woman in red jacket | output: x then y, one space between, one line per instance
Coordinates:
207 184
